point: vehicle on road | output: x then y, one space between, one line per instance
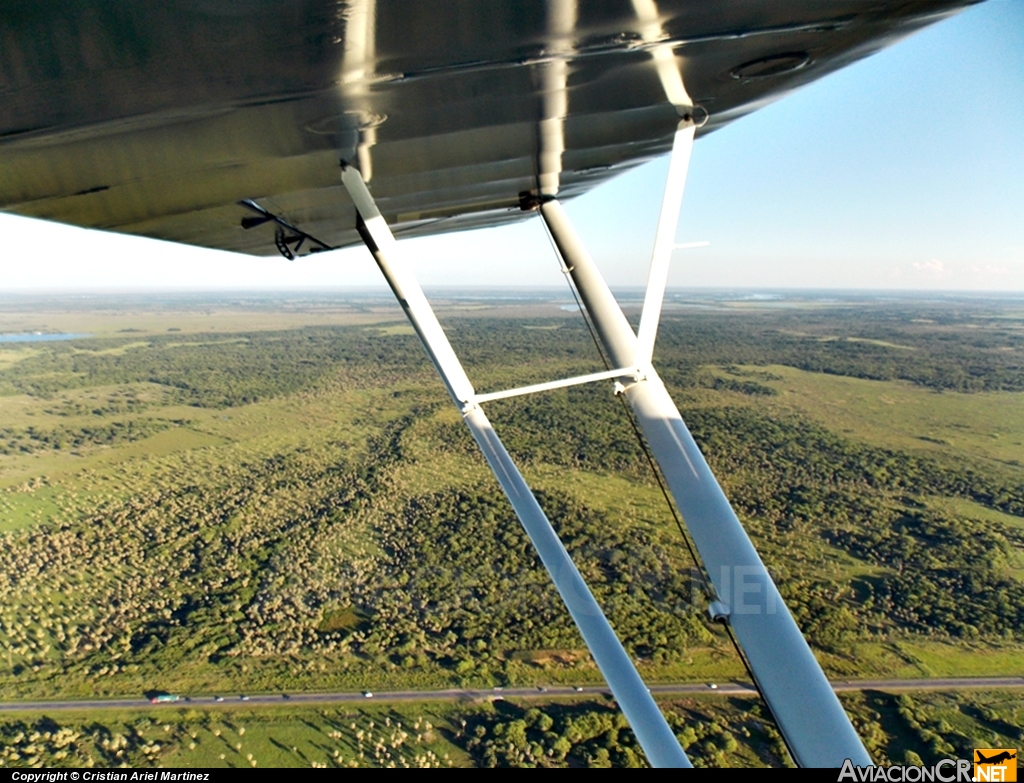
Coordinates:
243 697
218 698
164 698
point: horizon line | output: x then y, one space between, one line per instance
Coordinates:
383 290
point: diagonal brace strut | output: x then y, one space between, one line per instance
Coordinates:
648 724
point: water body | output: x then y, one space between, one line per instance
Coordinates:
39 337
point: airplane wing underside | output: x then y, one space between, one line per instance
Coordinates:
158 118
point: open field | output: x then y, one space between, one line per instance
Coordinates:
276 496
901 415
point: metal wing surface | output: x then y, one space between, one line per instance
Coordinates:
156 119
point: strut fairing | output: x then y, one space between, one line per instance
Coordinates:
158 118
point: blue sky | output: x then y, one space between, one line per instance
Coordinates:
903 171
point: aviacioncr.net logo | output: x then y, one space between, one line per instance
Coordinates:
995 765
944 771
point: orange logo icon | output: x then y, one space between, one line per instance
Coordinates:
998 765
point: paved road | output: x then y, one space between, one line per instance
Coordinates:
730 688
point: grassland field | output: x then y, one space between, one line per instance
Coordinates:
217 495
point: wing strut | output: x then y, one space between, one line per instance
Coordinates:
810 717
648 724
664 241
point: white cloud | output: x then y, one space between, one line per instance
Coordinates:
932 269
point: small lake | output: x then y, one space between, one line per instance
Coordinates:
39 337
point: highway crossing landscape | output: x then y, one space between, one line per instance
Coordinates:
543 693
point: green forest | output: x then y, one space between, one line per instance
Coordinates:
301 509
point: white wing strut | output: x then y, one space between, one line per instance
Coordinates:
809 715
648 724
664 241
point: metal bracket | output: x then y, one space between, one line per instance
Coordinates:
529 201
282 241
719 612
